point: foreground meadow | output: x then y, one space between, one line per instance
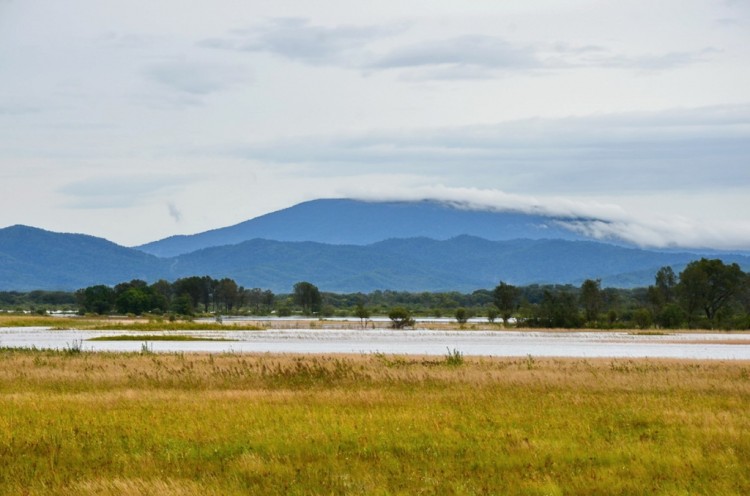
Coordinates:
174 424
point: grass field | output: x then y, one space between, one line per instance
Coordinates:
120 324
94 423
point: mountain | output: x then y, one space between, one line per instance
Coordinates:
463 263
32 258
352 222
35 259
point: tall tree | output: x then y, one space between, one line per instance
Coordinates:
591 299
506 297
226 294
96 299
559 309
307 296
708 286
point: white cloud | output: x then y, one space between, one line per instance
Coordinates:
602 221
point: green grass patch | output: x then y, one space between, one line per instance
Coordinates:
156 337
115 324
170 326
167 326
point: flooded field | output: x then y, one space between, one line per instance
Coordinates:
719 346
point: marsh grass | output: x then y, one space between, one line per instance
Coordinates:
170 326
120 324
156 337
186 424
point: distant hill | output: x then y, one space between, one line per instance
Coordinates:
464 263
35 259
32 258
352 222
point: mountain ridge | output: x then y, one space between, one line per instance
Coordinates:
357 222
32 258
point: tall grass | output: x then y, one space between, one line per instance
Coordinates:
261 424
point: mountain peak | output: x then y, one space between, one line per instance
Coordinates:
356 222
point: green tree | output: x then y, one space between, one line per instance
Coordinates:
462 316
182 305
96 299
506 298
663 291
133 300
671 316
559 309
591 299
362 313
307 296
226 295
400 318
261 302
492 313
642 318
194 287
707 286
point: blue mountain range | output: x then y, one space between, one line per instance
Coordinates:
346 246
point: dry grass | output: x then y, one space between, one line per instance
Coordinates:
185 424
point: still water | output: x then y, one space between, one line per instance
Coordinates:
729 346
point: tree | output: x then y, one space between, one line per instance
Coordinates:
362 314
462 316
182 305
400 318
559 309
307 296
260 301
708 286
662 293
506 299
591 299
226 294
492 313
192 287
96 299
642 318
133 300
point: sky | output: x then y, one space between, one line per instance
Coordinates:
136 120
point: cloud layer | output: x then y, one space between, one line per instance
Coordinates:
602 221
677 149
461 57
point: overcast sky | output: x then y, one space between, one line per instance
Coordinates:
135 120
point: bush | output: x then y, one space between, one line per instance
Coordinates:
400 318
462 316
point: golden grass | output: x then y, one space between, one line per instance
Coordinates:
186 424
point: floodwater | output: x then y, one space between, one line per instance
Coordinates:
718 346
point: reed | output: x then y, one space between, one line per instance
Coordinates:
169 424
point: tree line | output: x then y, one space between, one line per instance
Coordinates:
706 294
186 296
